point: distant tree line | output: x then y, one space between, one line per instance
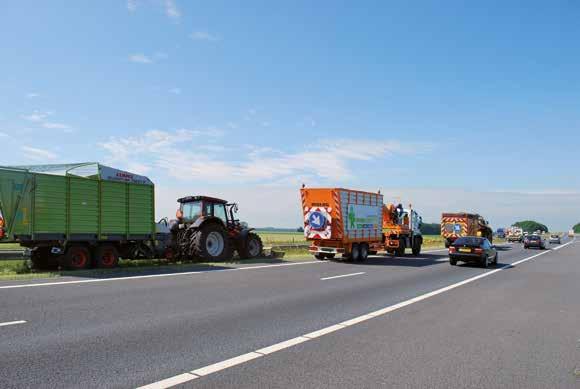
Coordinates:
531 226
577 228
431 228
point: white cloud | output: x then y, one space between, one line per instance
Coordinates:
140 58
59 126
171 9
192 155
38 154
204 36
132 5
37 116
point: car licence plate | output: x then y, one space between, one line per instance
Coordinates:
464 250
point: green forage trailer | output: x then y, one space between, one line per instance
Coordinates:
77 215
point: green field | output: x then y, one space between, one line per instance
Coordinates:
270 237
10 246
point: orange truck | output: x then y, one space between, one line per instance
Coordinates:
342 221
456 225
402 229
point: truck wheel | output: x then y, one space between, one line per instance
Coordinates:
211 243
416 247
252 247
363 252
106 256
76 258
401 250
355 252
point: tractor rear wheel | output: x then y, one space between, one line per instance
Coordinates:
252 247
416 247
211 243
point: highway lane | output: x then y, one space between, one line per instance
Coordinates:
515 329
126 333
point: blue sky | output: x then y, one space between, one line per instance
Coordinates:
421 99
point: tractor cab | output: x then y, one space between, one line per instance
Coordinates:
207 228
193 208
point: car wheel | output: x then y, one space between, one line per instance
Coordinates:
495 259
452 262
485 262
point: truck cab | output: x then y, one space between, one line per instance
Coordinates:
401 229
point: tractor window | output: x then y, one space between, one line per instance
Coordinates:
191 211
219 210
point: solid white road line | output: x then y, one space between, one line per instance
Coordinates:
171 382
342 276
157 275
12 323
313 335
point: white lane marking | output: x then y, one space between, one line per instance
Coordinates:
226 364
282 345
342 276
171 382
156 275
327 330
12 323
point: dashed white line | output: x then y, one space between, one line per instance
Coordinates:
327 330
12 323
342 276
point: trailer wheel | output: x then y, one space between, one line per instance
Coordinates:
364 252
354 252
76 258
106 256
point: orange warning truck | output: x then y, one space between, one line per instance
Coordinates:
342 221
455 225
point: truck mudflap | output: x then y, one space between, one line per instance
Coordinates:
326 250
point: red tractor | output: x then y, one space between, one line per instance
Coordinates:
206 229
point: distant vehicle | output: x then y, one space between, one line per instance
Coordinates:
500 233
457 225
555 239
473 249
536 241
571 233
515 234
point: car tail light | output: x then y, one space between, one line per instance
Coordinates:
478 251
452 250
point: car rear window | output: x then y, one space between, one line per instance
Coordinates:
534 238
469 241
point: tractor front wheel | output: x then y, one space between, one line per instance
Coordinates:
211 243
252 247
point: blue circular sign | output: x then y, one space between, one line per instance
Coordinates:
317 220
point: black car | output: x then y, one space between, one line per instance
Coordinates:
473 249
536 241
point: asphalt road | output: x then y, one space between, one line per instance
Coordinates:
518 327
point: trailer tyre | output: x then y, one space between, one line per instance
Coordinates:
76 258
363 252
252 247
211 242
106 256
355 252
